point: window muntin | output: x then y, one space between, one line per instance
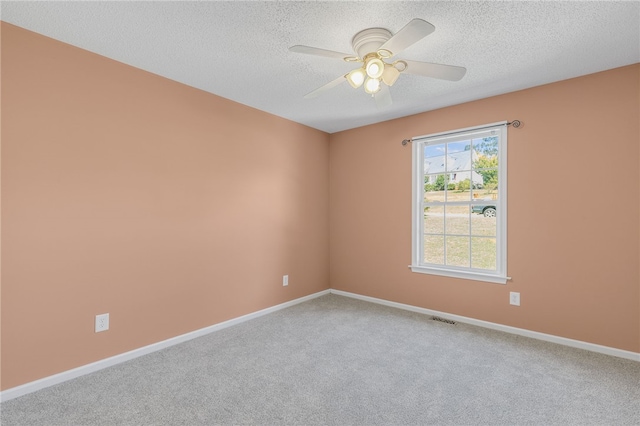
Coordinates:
459 208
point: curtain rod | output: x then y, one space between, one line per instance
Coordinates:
514 123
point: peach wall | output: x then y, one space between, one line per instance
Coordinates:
573 202
173 209
124 192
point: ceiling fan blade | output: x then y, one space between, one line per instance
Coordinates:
415 30
383 97
321 90
427 69
308 50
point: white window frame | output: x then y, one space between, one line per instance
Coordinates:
417 240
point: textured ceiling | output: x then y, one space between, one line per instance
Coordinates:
238 50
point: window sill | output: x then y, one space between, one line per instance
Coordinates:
468 275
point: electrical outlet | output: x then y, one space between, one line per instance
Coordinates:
514 298
285 280
102 322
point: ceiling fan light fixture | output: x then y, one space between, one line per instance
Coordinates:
400 65
373 47
372 86
384 53
356 77
390 75
375 67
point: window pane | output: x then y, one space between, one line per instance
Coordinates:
434 249
479 192
458 156
483 219
485 152
476 184
458 168
434 187
434 220
489 192
492 187
485 164
459 191
434 159
483 253
457 220
457 251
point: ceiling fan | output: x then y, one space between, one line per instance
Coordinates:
374 48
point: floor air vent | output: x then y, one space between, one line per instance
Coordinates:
443 320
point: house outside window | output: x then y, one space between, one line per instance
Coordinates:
459 203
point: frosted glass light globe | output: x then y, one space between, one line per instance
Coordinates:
372 85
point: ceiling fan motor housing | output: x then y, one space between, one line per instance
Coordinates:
369 40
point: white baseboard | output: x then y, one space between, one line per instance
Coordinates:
117 359
634 356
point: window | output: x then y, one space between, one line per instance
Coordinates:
460 205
